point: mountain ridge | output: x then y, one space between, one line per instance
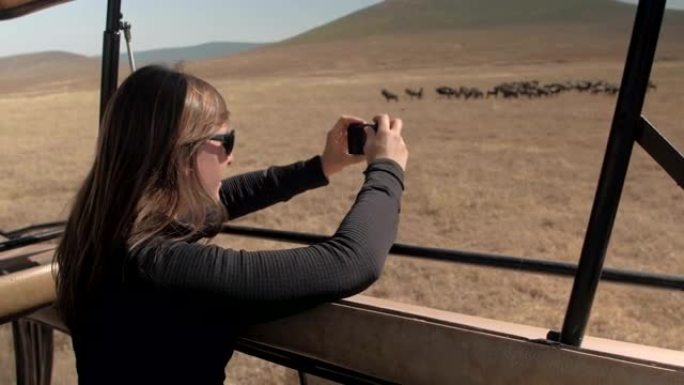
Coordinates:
24 72
397 34
170 55
412 16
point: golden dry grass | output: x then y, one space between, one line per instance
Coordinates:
514 177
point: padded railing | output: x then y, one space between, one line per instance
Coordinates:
398 343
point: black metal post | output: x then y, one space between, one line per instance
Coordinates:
33 352
110 54
630 101
661 150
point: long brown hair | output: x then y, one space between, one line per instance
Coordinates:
143 181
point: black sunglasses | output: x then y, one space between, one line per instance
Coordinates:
227 141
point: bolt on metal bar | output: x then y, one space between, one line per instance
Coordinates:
630 102
661 150
127 36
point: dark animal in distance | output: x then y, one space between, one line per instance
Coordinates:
389 96
471 92
517 89
446 91
533 89
415 94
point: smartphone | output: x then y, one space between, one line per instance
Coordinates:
356 137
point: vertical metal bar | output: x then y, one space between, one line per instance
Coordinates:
302 378
33 352
630 101
110 54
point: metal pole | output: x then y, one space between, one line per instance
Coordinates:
564 269
33 351
475 258
626 119
110 54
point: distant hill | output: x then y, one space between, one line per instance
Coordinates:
393 17
47 71
392 35
56 70
405 34
196 52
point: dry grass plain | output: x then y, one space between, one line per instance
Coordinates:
515 177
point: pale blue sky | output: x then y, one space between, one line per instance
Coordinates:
77 26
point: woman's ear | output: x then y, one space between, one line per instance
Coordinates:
189 165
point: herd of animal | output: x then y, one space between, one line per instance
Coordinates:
529 89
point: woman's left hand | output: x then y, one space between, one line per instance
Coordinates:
335 156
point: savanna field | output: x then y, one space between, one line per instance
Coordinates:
506 176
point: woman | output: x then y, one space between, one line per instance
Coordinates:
147 301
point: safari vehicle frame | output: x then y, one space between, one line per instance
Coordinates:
477 346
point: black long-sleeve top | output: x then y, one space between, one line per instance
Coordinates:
175 317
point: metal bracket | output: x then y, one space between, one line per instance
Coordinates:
126 28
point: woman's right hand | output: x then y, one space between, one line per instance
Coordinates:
387 143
